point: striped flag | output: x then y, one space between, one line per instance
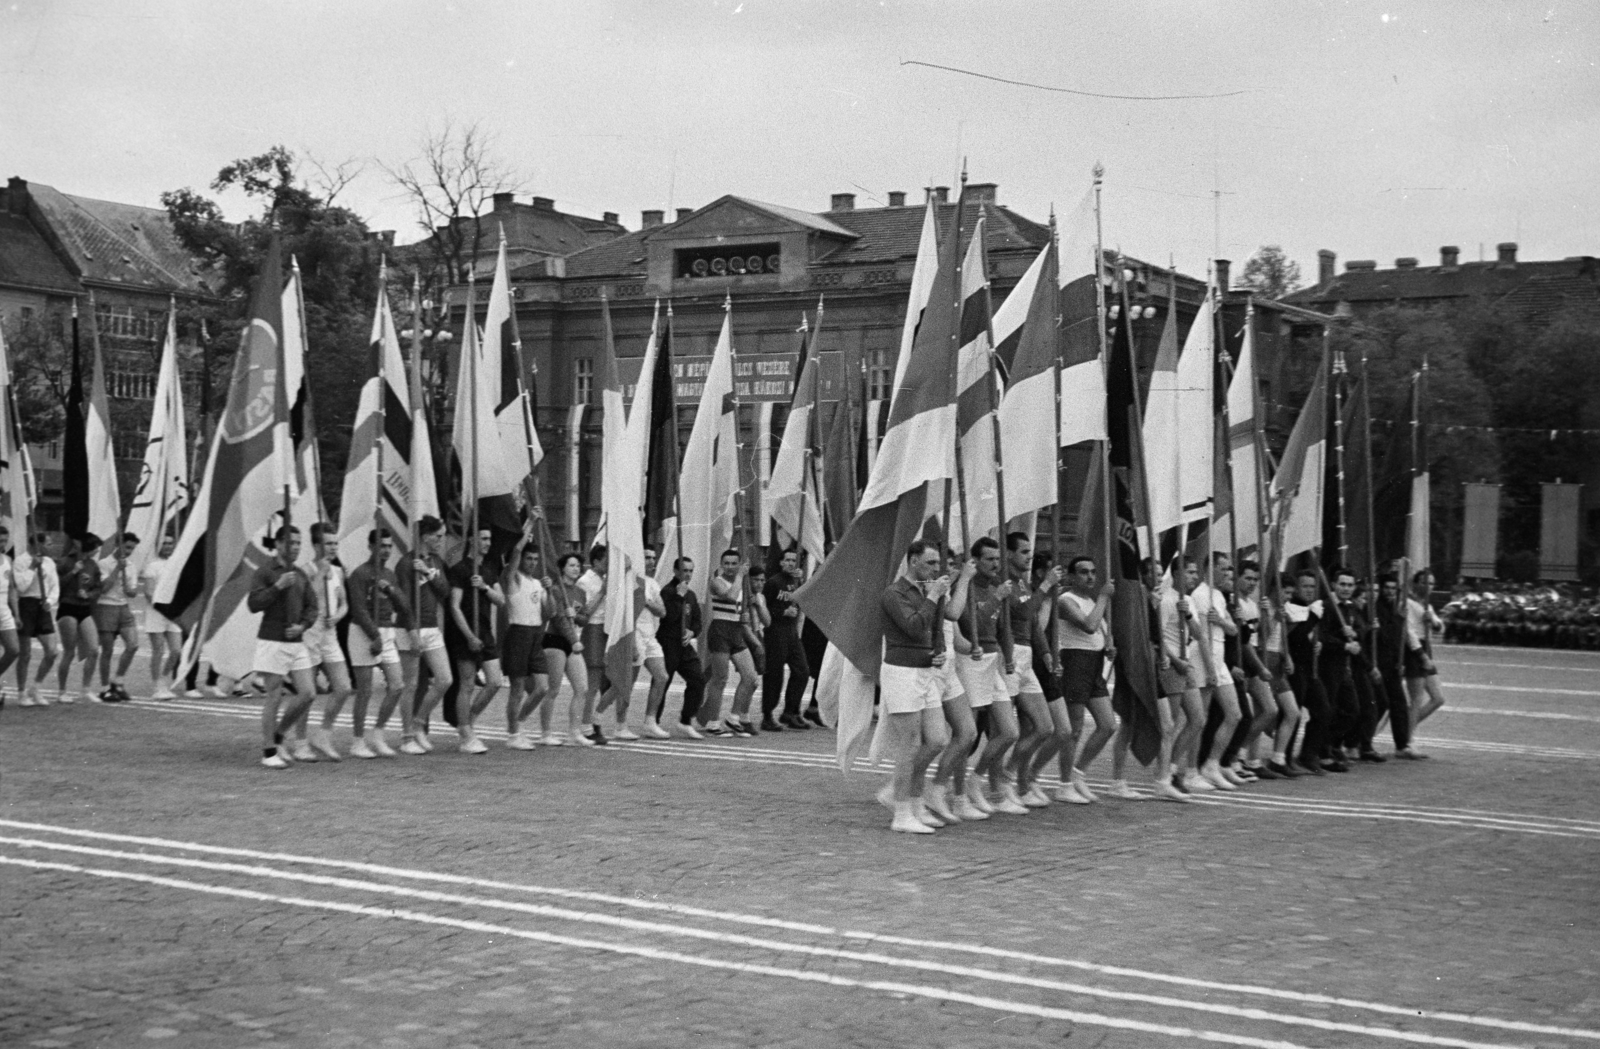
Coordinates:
1419 522
519 448
1025 342
841 459
975 393
1083 374
306 480
917 456
619 497
240 499
1196 417
384 432
1297 486
661 451
89 462
709 482
1243 433
922 275
1161 430
164 481
793 490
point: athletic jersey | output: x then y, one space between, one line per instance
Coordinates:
1247 613
1421 621
36 577
1022 614
524 601
592 585
114 591
5 580
648 622
728 607
984 606
150 578
1069 636
1205 596
331 593
81 584
1172 625
432 591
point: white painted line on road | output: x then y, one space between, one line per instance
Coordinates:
655 954
1547 715
792 926
1520 688
1454 663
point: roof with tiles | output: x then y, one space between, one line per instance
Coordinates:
1532 287
541 229
28 261
117 243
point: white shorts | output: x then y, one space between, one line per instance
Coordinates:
323 644
1023 679
281 657
910 690
982 679
361 647
156 623
645 646
950 685
7 620
430 639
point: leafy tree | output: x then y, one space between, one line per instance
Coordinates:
40 358
1270 273
338 260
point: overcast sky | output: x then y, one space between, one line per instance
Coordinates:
1377 129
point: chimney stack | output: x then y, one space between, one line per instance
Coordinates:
1508 253
983 192
842 202
1325 266
544 204
1449 257
938 194
1224 266
1360 266
683 213
897 198
1406 262
610 217
503 201
650 219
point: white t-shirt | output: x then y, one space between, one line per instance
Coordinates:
593 586
1249 616
1069 636
331 594
115 591
648 622
1202 597
525 601
5 579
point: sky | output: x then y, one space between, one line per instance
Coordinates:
1375 129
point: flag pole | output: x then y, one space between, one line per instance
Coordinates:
955 367
1107 507
1341 377
677 493
414 395
383 398
1052 623
814 464
472 425
739 532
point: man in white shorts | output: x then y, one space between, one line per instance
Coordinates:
648 654
376 602
423 581
529 606
165 636
912 683
947 796
322 640
982 674
113 617
282 593
1022 684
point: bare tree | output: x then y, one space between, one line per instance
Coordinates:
331 179
1270 273
452 184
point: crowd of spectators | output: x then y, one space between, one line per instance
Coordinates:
1523 614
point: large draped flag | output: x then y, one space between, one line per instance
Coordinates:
1083 373
89 465
661 451
1196 447
842 455
636 433
476 433
794 491
18 496
917 456
1297 485
164 481
922 274
241 497
1025 344
1162 431
1243 433
976 395
381 481
620 496
1136 686
709 483
519 447
302 429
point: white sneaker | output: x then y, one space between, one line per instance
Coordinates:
1238 776
424 742
1068 792
359 748
552 739
32 698
194 693
965 810
1212 774
324 746
300 750
689 731
163 692
1080 783
25 700
274 761
906 822
937 800
1165 791
885 796
624 733
1120 789
976 796
1035 798
519 741
473 745
919 809
66 697
1197 784
380 744
654 730
411 746
1006 800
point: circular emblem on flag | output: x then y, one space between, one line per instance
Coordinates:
257 401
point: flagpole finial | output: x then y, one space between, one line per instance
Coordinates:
502 226
1099 172
727 302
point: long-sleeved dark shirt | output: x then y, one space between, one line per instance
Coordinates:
984 607
293 606
435 592
683 614
370 606
779 593
909 620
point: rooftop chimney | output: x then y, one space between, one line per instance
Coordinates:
503 201
985 192
1360 266
1406 262
386 237
1325 264
609 216
17 195
897 198
684 213
544 204
1223 274
1449 257
937 194
842 202
1508 253
650 219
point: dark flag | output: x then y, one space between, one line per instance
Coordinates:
661 459
75 448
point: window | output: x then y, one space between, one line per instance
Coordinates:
125 322
879 375
583 380
735 260
128 445
27 314
131 385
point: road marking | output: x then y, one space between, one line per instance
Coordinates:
1520 666
788 925
1456 708
1259 1015
1521 688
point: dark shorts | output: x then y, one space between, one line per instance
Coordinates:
1047 680
1274 664
524 651
1083 675
456 647
727 637
76 613
1173 682
33 618
594 647
1413 662
556 641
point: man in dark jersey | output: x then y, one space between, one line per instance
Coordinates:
784 649
680 627
282 593
423 575
475 600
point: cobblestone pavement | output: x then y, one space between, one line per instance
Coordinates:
156 887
